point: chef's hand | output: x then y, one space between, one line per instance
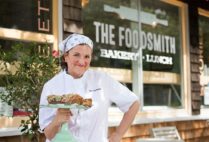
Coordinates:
63 115
115 137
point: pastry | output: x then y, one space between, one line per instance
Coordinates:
72 99
54 99
87 102
69 99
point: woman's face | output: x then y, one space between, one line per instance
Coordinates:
78 60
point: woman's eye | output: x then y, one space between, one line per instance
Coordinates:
87 56
76 55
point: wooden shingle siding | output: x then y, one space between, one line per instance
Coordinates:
196 96
195 78
195 85
72 13
195 54
189 131
72 3
72 17
194 58
195 68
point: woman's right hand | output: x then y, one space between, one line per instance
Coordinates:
63 115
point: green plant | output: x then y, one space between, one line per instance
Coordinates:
26 68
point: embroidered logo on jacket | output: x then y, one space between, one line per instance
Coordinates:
93 90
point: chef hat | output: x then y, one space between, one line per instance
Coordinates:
74 40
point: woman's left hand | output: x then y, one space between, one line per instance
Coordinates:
115 137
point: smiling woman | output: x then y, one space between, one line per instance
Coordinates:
76 78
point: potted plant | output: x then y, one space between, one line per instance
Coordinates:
26 68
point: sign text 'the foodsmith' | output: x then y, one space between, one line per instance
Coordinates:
105 34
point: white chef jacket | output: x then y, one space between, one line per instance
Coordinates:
90 125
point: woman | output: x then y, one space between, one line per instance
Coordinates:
90 125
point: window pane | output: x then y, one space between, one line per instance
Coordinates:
114 28
115 33
161 44
204 45
7 45
28 15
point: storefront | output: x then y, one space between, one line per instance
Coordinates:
158 49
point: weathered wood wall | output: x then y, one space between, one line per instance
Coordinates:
190 131
194 57
72 17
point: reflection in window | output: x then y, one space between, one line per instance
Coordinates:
8 45
161 44
167 96
114 28
204 45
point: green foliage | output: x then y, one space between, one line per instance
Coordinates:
25 72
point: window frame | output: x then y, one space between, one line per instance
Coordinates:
168 113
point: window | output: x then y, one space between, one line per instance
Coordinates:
121 28
161 41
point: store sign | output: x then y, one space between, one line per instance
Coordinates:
43 23
105 34
27 15
116 54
